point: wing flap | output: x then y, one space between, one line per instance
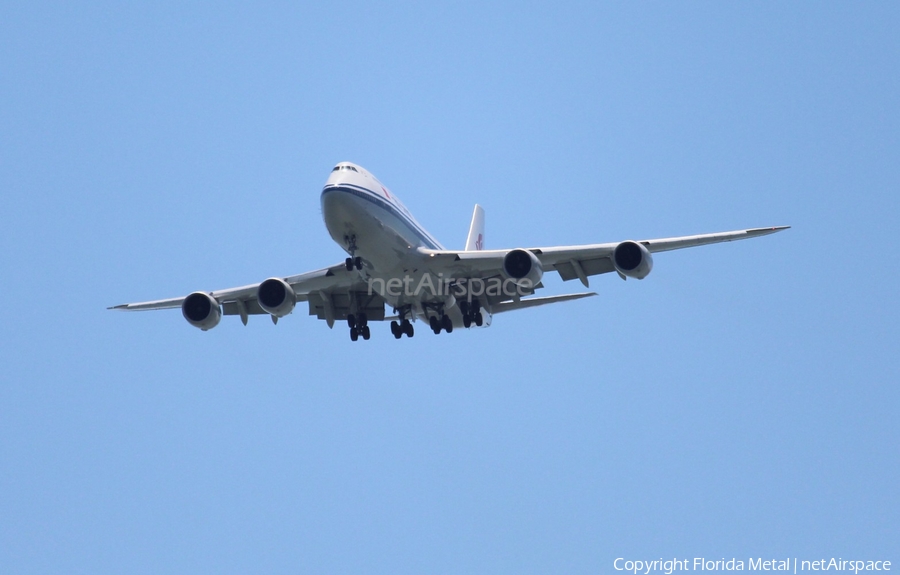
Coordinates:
252 307
337 305
590 267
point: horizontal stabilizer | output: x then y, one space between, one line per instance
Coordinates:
536 301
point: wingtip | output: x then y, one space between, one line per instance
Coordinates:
768 230
583 294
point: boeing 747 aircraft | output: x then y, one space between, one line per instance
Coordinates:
394 262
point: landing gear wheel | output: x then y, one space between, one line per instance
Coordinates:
479 319
447 324
407 328
349 263
396 330
467 321
351 321
362 320
365 332
354 334
435 325
358 262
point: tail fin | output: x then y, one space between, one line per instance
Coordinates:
475 241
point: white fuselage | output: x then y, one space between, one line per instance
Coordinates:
367 220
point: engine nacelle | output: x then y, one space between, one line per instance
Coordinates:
523 267
632 260
276 297
201 310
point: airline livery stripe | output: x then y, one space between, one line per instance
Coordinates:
373 197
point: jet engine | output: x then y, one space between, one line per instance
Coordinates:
276 297
632 260
523 267
201 310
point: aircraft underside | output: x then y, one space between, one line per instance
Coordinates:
394 263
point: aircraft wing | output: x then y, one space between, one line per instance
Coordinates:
303 284
329 290
576 261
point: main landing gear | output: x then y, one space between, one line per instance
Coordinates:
469 316
471 313
359 326
352 261
443 323
404 327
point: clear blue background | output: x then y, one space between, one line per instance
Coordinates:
741 401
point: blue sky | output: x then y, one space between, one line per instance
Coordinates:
739 402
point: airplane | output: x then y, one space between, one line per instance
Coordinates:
394 262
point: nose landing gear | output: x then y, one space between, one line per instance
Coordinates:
353 261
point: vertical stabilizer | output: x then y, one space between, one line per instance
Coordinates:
475 241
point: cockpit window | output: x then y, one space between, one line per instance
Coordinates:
336 168
354 169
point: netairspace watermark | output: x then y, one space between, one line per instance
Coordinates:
786 565
446 286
